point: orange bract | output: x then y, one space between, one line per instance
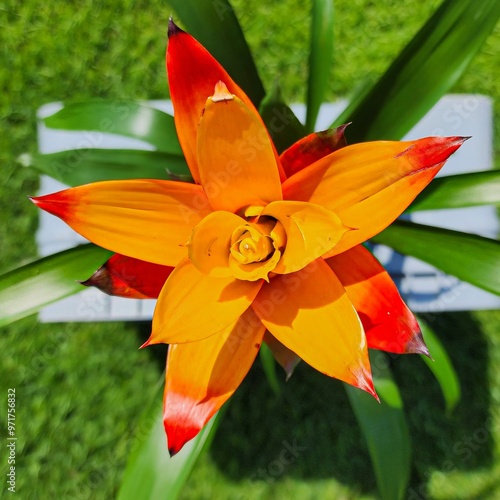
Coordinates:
256 257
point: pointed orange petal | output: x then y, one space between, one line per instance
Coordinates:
210 243
236 159
310 313
202 376
311 149
132 278
389 324
311 231
149 220
193 306
286 358
369 185
192 74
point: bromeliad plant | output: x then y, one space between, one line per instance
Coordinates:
259 243
260 247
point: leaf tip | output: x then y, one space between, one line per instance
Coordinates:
100 279
431 152
416 345
290 368
339 131
178 434
41 202
147 343
364 381
56 203
173 29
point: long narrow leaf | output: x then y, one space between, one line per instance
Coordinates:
82 166
320 58
384 428
441 367
27 289
151 474
281 122
423 72
127 118
456 191
269 366
468 257
214 24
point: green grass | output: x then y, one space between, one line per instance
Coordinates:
81 387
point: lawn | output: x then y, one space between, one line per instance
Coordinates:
81 388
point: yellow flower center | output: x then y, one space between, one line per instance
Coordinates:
256 249
280 238
249 245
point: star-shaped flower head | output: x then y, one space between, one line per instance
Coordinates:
260 248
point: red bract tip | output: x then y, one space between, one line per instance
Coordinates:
364 382
178 435
416 345
432 151
148 342
100 279
124 276
312 148
56 203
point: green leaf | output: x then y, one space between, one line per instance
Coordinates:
384 428
150 473
320 58
269 366
441 367
468 257
283 126
214 24
82 166
423 72
463 190
27 289
127 118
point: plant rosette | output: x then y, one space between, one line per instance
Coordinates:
260 248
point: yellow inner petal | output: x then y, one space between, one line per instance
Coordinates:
256 249
250 245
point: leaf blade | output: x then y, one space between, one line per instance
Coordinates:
320 58
469 257
423 72
269 367
384 428
83 166
282 124
441 367
458 191
27 289
150 472
128 118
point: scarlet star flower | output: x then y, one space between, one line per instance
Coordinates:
261 248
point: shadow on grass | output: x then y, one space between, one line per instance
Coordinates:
461 441
309 431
